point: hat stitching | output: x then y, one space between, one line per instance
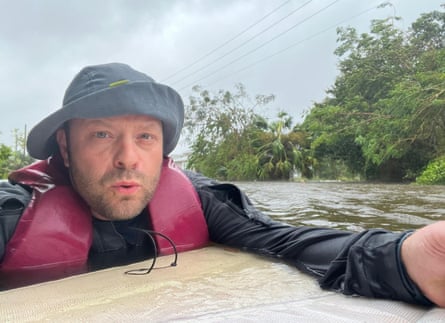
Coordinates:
117 83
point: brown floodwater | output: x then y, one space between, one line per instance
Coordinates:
350 206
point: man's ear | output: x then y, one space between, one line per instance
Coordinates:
63 146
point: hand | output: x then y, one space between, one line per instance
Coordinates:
423 254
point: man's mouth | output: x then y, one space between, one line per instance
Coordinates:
126 187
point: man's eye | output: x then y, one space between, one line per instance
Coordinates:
101 134
146 136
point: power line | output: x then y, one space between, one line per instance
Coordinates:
261 46
294 44
226 42
243 44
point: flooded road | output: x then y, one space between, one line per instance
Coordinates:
350 206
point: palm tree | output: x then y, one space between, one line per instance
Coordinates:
279 155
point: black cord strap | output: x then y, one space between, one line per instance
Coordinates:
150 233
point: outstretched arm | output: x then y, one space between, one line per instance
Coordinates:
365 263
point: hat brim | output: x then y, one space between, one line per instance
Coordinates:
134 98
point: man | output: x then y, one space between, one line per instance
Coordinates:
104 181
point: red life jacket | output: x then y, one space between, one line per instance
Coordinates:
56 228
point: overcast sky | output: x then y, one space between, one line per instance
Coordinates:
275 47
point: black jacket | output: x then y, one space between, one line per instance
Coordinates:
366 263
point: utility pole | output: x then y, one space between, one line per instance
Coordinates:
24 141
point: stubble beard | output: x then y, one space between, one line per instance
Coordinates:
106 205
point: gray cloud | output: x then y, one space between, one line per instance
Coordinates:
44 43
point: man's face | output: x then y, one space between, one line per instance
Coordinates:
114 163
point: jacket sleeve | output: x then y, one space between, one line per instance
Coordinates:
13 201
366 263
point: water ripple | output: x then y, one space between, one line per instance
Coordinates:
350 206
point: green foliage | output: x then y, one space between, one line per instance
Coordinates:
281 153
242 167
386 110
231 142
220 130
374 62
13 158
434 173
383 119
5 156
428 31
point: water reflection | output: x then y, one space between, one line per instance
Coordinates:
349 206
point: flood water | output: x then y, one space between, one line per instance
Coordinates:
347 206
350 206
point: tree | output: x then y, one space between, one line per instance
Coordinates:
428 32
221 129
370 64
434 173
14 158
386 108
230 141
5 155
281 153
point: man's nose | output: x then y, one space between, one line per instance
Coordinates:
126 154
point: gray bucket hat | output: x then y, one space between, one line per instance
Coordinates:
110 90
